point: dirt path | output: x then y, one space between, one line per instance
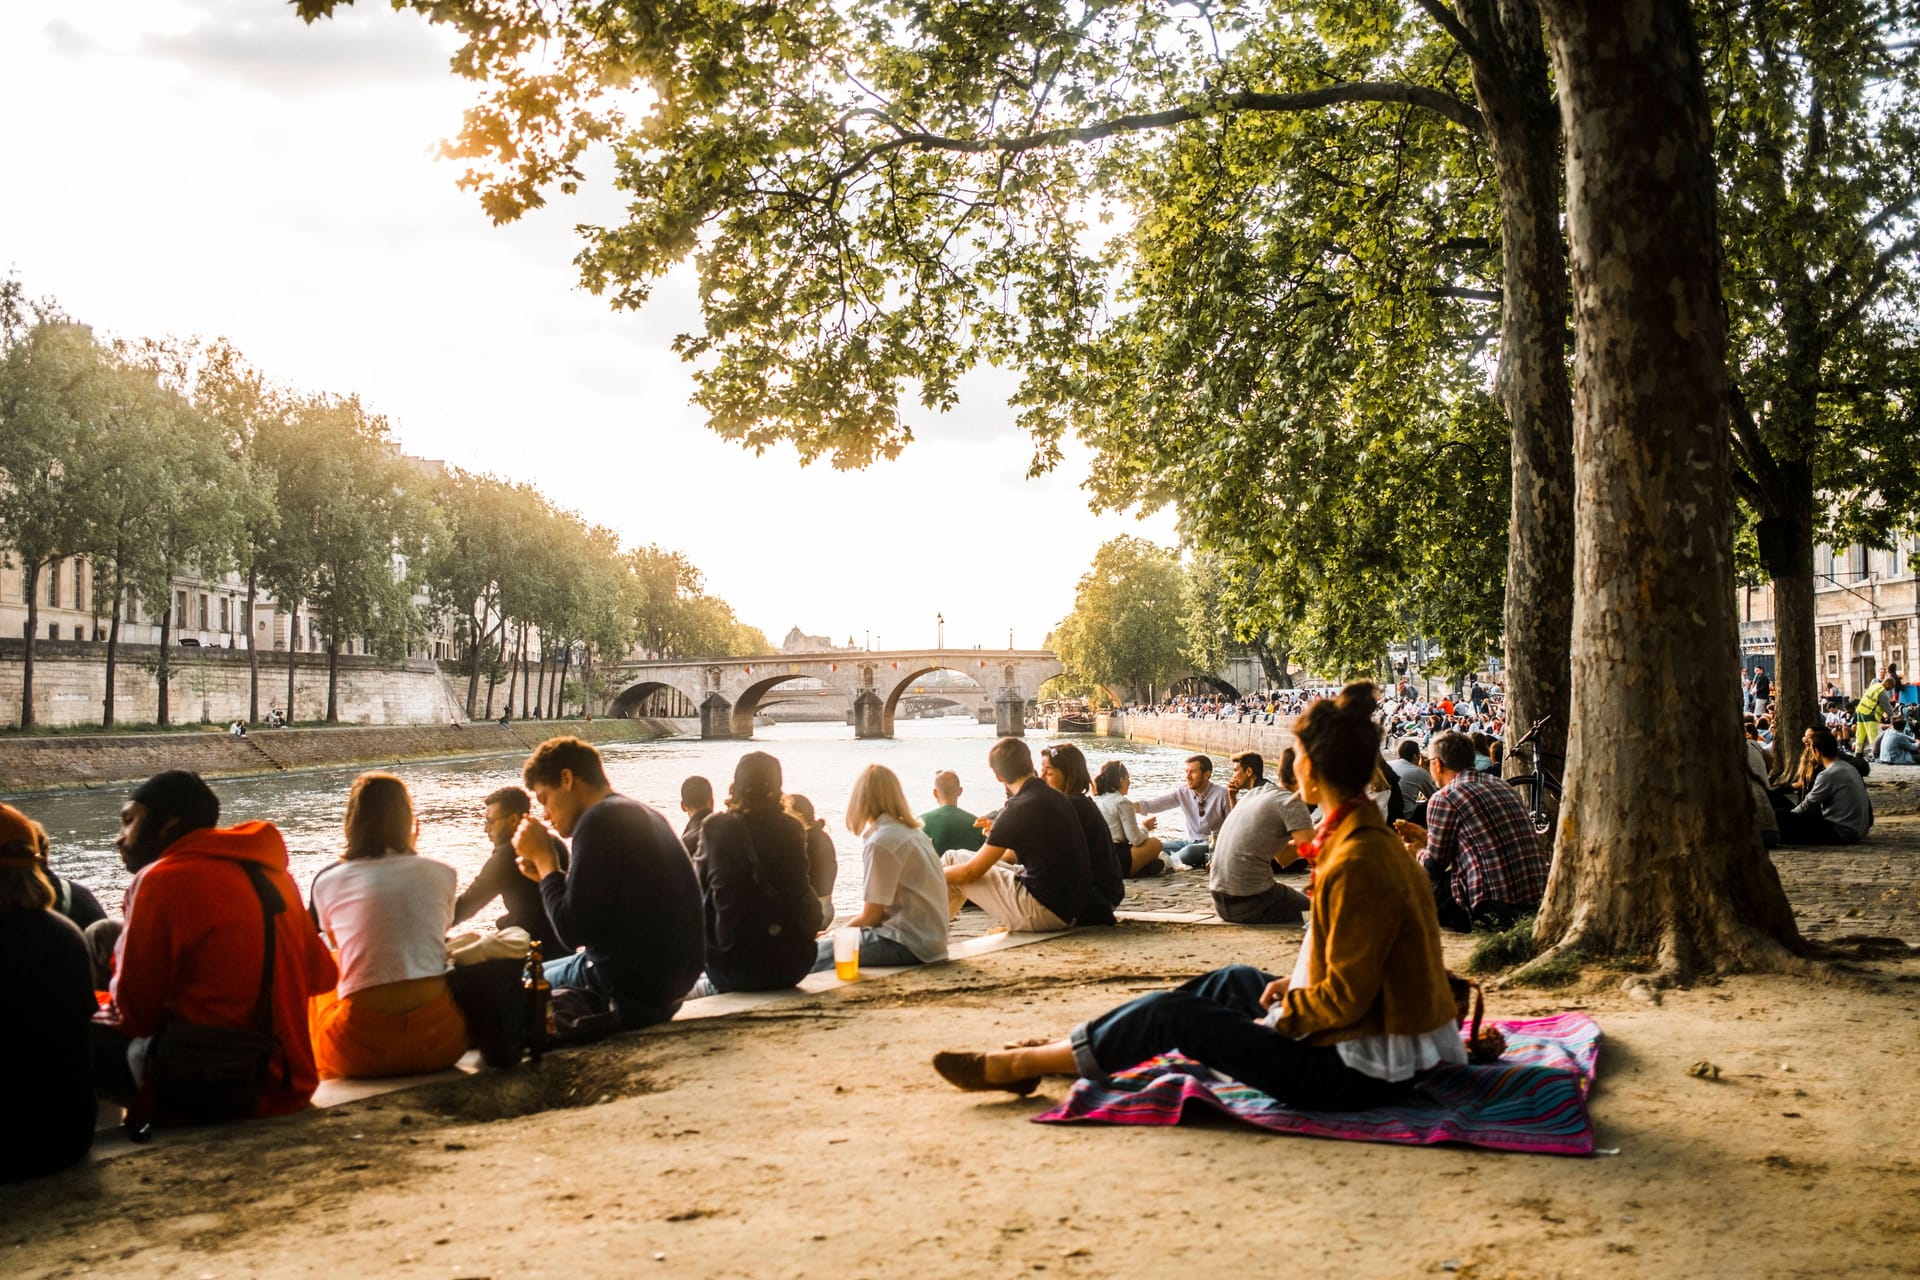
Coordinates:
817 1142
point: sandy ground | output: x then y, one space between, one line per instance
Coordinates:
814 1140
817 1142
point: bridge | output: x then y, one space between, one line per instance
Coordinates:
728 691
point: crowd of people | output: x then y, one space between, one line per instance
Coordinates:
223 991
1406 711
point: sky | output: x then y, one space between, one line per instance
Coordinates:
216 168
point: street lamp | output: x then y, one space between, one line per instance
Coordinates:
939 630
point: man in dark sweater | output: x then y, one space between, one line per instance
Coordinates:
629 901
501 878
1039 831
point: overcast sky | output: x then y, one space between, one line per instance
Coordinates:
214 167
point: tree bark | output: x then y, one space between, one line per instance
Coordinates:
1515 94
163 667
1786 552
540 689
1658 856
473 665
253 653
113 647
333 680
31 574
293 631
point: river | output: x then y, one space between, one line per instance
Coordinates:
820 761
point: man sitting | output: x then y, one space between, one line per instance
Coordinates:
949 826
1836 809
1202 802
500 877
1038 830
1487 864
1896 745
696 801
194 947
1416 784
1266 822
629 901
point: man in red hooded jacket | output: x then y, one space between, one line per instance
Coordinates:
194 940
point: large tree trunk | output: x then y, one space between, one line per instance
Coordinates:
1786 552
163 667
473 666
253 653
293 630
1273 664
31 573
1523 135
113 648
540 689
333 679
1658 856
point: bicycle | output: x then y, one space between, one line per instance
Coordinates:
1539 784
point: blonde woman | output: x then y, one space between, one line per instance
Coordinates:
903 891
386 911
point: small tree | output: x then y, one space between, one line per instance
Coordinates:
1124 629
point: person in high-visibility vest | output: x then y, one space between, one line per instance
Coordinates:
1875 705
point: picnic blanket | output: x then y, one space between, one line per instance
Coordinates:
1533 1099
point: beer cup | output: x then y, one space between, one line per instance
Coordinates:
846 954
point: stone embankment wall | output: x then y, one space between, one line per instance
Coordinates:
39 764
1220 739
211 686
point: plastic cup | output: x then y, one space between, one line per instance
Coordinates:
846 954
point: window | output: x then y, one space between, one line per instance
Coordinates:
79 596
53 587
226 614
53 631
179 608
1833 665
79 632
206 612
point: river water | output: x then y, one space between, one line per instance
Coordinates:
820 761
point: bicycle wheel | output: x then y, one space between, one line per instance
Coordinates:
1528 785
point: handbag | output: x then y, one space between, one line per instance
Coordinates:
1484 1044
200 1074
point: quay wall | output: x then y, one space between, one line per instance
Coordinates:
1220 739
211 686
86 761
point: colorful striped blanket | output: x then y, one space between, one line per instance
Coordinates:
1533 1099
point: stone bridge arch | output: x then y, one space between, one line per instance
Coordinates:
746 703
891 703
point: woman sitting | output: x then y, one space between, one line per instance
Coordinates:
1367 1007
1135 849
903 891
386 911
761 911
823 863
47 1007
1063 768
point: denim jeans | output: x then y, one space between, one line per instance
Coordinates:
876 951
1190 853
577 971
1212 1020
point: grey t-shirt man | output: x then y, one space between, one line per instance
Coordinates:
1839 795
1416 784
1257 829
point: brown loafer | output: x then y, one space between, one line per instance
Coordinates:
969 1071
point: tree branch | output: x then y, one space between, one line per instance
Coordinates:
1466 295
1442 104
1446 20
1881 271
1764 473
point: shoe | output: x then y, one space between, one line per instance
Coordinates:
969 1071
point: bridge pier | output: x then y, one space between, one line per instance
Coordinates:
716 717
1009 714
870 716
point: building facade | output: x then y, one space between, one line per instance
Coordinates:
1866 613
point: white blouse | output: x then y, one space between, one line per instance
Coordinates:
1385 1057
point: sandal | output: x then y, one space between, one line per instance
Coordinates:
969 1071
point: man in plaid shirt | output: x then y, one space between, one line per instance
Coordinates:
1479 847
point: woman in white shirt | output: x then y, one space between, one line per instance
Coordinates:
903 891
385 910
1135 848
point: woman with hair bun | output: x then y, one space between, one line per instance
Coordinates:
761 911
1367 1007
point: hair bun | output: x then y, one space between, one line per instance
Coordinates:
1361 698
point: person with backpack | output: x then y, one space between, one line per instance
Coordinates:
207 1012
758 904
